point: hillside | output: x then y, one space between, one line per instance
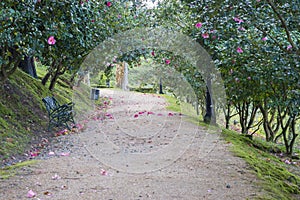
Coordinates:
23 117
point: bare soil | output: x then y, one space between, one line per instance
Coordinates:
136 150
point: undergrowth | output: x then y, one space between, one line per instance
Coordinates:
274 175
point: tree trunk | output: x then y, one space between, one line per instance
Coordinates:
60 70
14 60
46 78
210 114
294 136
53 81
247 112
227 117
28 66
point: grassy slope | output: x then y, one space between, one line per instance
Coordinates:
277 181
23 117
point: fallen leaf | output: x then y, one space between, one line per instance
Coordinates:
47 193
10 140
34 154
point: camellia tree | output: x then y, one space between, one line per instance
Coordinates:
59 38
255 45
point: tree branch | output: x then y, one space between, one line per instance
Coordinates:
288 34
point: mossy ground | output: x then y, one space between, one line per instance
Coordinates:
12 170
23 117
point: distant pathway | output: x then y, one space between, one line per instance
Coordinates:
139 151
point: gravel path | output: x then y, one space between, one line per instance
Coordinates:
139 151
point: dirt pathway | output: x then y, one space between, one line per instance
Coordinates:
139 151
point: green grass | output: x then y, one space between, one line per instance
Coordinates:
275 178
183 108
12 170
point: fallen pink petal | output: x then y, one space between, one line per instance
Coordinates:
287 162
34 154
30 194
104 172
51 153
136 116
65 154
170 114
56 177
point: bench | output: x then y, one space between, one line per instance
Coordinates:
59 115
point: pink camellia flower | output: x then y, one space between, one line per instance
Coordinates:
289 47
51 40
168 62
237 80
249 78
264 39
198 25
153 53
241 28
109 4
238 20
205 35
92 20
239 50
